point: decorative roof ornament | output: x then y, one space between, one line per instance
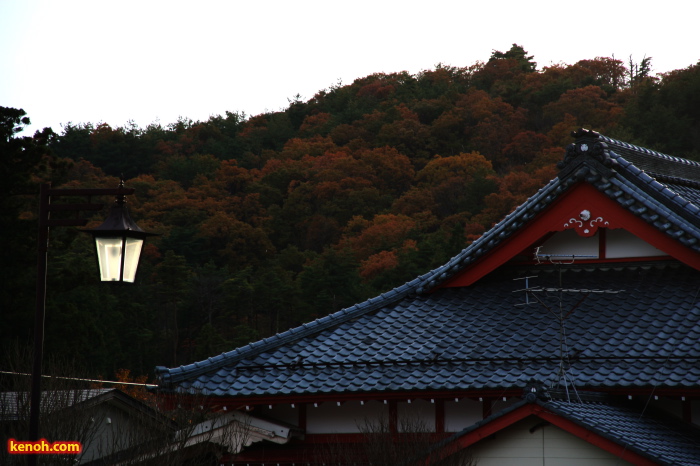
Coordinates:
587 143
585 133
583 227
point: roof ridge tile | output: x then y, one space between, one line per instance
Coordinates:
167 376
613 180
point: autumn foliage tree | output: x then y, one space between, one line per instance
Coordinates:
270 220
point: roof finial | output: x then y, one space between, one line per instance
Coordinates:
584 133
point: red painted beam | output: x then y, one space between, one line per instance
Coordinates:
440 416
512 417
218 403
583 433
481 433
556 218
315 449
242 402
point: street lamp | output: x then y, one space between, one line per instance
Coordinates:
118 240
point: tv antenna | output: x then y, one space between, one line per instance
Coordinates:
559 258
535 295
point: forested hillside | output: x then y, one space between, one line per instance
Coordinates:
272 220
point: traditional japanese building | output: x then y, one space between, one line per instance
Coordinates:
569 332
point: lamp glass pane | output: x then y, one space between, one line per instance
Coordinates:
109 256
131 261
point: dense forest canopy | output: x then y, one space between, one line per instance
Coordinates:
272 220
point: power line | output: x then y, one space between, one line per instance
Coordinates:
77 379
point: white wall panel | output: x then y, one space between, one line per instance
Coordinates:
547 445
417 416
622 243
462 414
346 418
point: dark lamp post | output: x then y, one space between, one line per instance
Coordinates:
119 241
118 234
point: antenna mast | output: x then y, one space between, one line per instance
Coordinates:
559 314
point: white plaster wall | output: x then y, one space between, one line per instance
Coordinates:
568 242
547 445
416 416
119 433
330 418
106 435
462 414
282 412
674 407
347 418
500 403
621 243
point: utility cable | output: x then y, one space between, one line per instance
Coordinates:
77 379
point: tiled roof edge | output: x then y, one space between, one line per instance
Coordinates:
681 225
646 151
499 232
551 407
166 375
651 183
477 425
675 180
580 421
683 212
494 236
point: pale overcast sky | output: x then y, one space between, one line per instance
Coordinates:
153 61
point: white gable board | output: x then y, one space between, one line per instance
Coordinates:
532 442
617 244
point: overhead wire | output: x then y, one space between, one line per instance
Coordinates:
79 379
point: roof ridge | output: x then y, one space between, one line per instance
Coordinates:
643 416
628 440
646 180
603 153
646 151
494 235
604 167
676 180
165 374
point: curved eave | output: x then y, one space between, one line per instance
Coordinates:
168 376
447 394
608 172
619 180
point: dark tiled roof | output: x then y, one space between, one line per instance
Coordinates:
670 203
653 163
656 436
660 438
475 337
14 403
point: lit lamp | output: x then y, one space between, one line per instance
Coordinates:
119 241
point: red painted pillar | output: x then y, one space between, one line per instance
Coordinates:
302 416
440 416
393 417
486 407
